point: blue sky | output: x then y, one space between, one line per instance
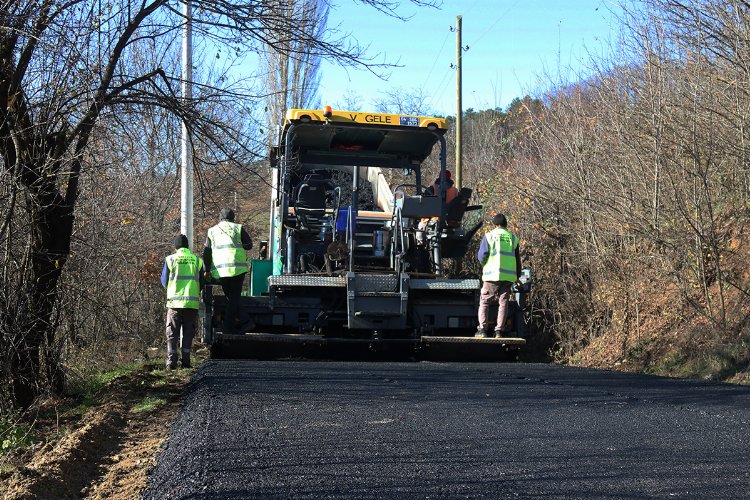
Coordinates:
513 44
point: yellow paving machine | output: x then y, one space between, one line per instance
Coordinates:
352 260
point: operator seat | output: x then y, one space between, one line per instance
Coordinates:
455 240
455 209
310 204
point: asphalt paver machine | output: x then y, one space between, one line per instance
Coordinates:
347 265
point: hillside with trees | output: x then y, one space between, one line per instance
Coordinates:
630 192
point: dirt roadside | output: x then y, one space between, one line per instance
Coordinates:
106 452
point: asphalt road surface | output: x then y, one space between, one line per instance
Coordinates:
291 429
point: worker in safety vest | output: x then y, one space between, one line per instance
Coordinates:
451 192
225 255
501 267
182 276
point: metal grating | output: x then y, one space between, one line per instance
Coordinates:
506 341
376 283
444 284
301 280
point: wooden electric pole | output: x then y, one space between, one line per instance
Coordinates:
459 112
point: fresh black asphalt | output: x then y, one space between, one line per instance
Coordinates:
313 429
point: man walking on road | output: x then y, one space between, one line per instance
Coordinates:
182 277
501 267
225 254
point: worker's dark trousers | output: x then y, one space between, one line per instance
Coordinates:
185 320
232 287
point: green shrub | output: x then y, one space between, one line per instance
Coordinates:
14 436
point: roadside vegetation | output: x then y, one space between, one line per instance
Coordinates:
96 440
53 418
630 190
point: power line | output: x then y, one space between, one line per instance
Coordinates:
444 81
437 56
507 11
441 87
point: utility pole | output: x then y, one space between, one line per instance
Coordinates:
459 112
186 183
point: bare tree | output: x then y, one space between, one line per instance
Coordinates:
636 176
291 75
67 68
403 101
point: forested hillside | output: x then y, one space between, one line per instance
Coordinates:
630 191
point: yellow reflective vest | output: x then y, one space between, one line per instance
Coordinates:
228 257
501 263
183 282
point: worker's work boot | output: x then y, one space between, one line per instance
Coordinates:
481 333
171 361
246 326
186 360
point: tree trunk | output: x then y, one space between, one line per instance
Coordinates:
52 227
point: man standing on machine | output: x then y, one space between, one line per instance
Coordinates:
501 267
225 255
